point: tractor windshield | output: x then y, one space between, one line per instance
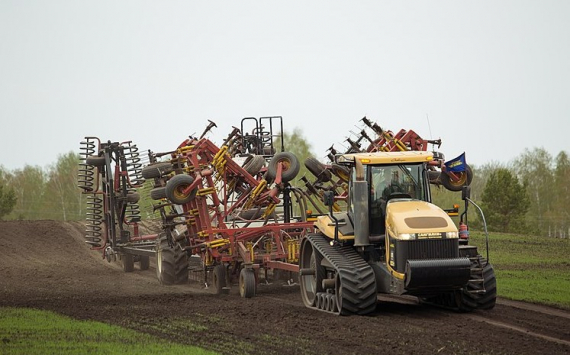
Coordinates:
386 180
393 181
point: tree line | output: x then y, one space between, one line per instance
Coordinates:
529 195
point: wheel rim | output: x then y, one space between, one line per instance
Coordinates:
459 179
179 192
338 293
159 263
286 164
308 283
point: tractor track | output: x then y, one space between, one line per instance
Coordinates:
46 265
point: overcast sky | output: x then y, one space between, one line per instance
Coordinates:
490 78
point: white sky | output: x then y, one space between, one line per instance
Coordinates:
492 76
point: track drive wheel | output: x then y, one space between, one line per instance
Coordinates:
311 273
171 263
247 283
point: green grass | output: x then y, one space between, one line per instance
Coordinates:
30 331
528 268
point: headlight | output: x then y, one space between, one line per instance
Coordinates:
452 235
407 236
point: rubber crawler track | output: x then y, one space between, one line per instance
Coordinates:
357 278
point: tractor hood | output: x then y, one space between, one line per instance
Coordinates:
410 219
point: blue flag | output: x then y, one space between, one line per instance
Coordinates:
456 165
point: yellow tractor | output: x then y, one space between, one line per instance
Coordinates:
393 240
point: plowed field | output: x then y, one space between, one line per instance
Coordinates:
46 265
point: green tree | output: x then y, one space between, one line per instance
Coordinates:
7 197
297 144
505 202
29 185
62 199
560 215
535 168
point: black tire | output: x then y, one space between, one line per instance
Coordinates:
465 178
254 213
477 298
144 262
318 169
471 296
158 193
156 170
133 197
253 164
247 283
433 176
268 178
438 156
219 278
175 189
341 171
128 262
95 161
290 168
171 263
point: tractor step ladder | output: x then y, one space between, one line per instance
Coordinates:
477 279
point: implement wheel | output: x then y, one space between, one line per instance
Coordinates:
247 283
341 171
144 262
253 164
175 189
128 262
463 178
158 193
318 169
156 170
95 161
219 278
290 166
171 263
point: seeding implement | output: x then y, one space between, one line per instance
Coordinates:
109 174
232 212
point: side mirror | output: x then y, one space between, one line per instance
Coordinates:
328 198
466 193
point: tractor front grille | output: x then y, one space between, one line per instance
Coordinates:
425 249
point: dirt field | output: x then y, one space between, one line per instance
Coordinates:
46 265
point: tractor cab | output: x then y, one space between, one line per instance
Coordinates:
390 177
390 182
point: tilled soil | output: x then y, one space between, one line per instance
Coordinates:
46 265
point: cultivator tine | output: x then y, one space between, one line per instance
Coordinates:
211 125
377 129
354 146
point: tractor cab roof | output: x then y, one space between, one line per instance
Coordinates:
402 157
